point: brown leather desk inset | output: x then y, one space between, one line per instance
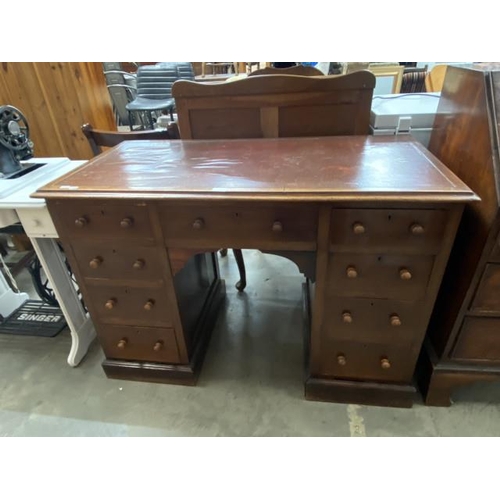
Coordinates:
369 220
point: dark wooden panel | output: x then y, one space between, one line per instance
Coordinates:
414 230
379 276
479 340
463 141
373 320
232 123
487 298
139 343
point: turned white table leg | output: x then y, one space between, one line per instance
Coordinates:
80 325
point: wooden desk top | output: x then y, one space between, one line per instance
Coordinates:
353 168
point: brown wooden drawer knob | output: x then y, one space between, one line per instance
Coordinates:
277 226
95 262
417 229
198 224
110 304
347 317
351 272
81 222
149 305
138 264
341 360
385 364
358 228
127 223
158 346
405 274
395 320
121 344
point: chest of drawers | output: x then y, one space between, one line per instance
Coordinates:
140 225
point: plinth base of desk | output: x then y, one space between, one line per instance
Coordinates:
364 393
169 373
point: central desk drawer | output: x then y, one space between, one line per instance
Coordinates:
122 305
399 228
105 220
105 261
290 227
379 276
139 343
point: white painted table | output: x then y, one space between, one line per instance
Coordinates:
17 206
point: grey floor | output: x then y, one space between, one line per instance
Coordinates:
250 385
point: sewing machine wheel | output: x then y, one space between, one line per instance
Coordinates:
14 129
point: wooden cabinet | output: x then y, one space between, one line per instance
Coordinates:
463 343
57 98
375 245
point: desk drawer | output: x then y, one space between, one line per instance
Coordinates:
123 305
487 298
37 222
377 228
478 340
104 261
290 227
379 276
139 344
105 220
372 320
366 361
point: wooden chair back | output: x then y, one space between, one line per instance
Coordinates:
299 70
103 138
275 106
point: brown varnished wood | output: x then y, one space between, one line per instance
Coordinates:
99 139
465 138
177 219
353 168
298 70
57 98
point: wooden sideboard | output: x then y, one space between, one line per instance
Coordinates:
57 98
464 333
369 221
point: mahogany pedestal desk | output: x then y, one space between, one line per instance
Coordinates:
370 221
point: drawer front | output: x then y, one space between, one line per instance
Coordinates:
101 261
487 297
415 230
372 320
139 344
105 220
130 305
367 361
478 340
379 276
290 227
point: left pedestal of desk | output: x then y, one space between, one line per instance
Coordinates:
153 316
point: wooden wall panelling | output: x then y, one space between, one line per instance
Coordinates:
57 99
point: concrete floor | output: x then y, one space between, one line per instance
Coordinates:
250 385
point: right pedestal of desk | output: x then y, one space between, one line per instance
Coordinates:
376 287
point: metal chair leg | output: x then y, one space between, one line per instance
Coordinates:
238 255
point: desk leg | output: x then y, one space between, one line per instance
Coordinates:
80 325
